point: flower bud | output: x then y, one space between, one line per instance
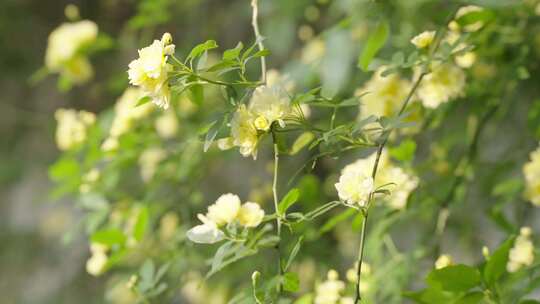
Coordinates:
166 39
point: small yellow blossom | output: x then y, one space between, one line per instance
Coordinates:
96 264
206 233
522 254
462 11
355 185
88 180
382 96
313 52
329 291
243 133
225 209
270 103
445 82
63 50
250 215
150 71
168 225
72 127
531 171
465 60
443 261
167 125
423 39
149 161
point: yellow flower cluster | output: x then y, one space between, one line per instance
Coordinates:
445 82
88 180
150 71
331 291
149 161
531 171
355 183
227 209
96 264
126 113
64 50
267 105
382 96
72 127
522 254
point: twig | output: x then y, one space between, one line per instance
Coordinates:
276 202
258 37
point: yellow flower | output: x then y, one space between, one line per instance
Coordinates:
355 185
423 39
382 96
270 103
329 291
96 264
313 52
224 210
522 254
167 125
72 127
150 71
168 225
445 82
243 132
149 161
531 171
443 261
462 11
250 215
63 50
465 60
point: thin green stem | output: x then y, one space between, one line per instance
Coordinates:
258 37
361 255
276 202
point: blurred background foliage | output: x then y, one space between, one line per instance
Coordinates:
468 153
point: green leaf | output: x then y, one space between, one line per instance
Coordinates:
291 282
455 278
476 16
474 297
294 252
405 151
210 136
333 221
109 237
301 142
144 100
288 200
197 92
375 42
305 299
141 224
431 296
201 48
496 264
232 54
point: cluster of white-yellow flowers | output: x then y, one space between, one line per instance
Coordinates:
228 209
96 264
522 254
126 113
531 171
88 180
331 291
382 96
72 127
65 54
149 161
267 105
445 82
356 184
150 71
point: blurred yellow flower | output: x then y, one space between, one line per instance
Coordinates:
355 185
167 124
64 47
382 96
445 82
423 39
531 171
443 261
522 254
149 161
329 291
72 127
96 264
